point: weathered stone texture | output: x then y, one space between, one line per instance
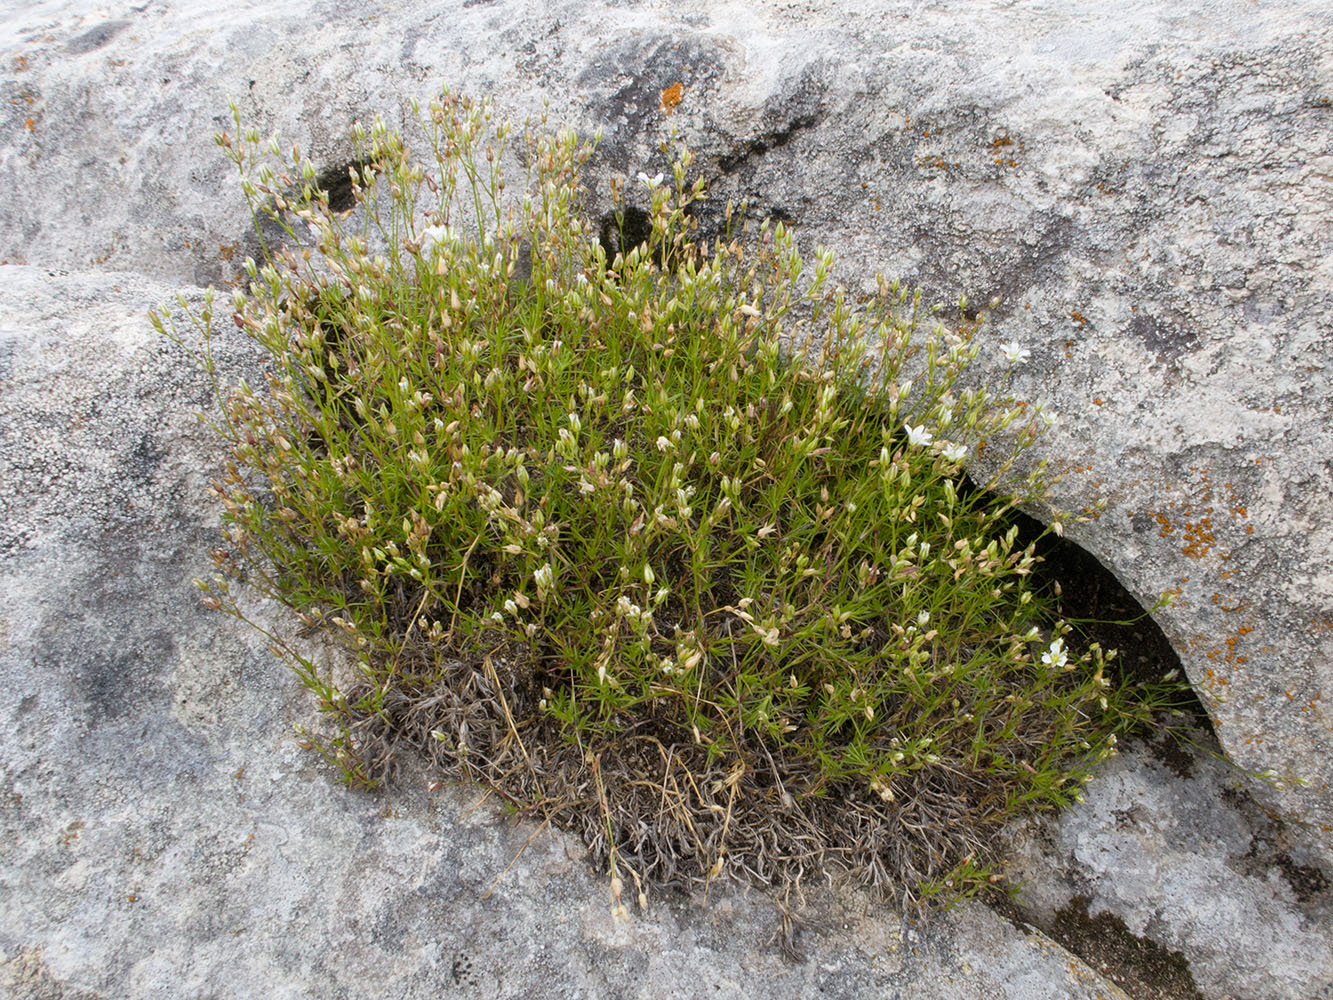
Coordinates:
1147 188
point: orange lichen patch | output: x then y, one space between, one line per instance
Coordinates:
227 250
1225 662
1198 537
29 124
997 151
1097 401
1198 524
671 97
1078 318
20 63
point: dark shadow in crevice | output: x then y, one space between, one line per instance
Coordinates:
337 181
1103 611
753 149
624 230
1142 968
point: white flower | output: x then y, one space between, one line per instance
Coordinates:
663 444
1047 418
1013 353
954 452
1056 655
918 435
437 236
650 182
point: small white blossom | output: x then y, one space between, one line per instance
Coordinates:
438 236
1013 353
650 182
1056 655
954 452
918 435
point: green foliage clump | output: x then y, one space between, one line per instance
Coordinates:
675 548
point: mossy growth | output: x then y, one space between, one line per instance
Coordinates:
674 549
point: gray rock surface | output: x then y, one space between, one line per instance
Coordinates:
1147 189
1183 857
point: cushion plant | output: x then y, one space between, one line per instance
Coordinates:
669 544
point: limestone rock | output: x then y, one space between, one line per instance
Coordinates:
1181 856
1144 187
